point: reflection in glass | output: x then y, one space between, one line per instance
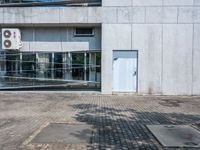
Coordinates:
2 64
58 66
28 65
28 1
32 68
43 65
78 66
12 64
49 3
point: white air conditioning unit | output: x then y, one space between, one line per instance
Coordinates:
11 39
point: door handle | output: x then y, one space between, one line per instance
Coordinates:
135 73
115 58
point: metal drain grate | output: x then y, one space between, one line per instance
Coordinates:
64 133
176 135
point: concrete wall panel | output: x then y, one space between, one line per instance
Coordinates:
154 15
161 15
185 15
109 15
116 2
125 15
45 46
120 36
196 14
94 15
1 41
126 25
47 34
197 2
177 59
26 46
170 14
74 15
94 41
147 2
1 16
147 39
75 46
138 15
131 15
44 15
27 34
55 46
178 2
106 62
114 37
17 15
57 39
196 61
50 15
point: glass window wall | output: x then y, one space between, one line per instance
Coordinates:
58 65
28 65
78 66
65 67
50 3
44 65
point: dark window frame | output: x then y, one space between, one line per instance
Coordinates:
84 35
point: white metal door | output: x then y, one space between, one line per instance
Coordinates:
124 74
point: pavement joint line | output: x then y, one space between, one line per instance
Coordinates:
33 135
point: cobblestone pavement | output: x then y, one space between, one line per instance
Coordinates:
119 122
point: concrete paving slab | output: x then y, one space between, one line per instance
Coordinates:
176 135
64 133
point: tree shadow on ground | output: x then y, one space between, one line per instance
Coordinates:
125 128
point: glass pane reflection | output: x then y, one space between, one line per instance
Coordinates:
46 67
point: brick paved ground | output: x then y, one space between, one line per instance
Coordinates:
119 122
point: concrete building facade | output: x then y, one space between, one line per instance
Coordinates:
163 36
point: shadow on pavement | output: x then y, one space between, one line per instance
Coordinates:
125 128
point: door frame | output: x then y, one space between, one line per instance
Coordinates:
137 69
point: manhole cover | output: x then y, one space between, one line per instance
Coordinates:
64 133
176 135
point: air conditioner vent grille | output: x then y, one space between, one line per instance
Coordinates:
7 43
11 39
7 34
